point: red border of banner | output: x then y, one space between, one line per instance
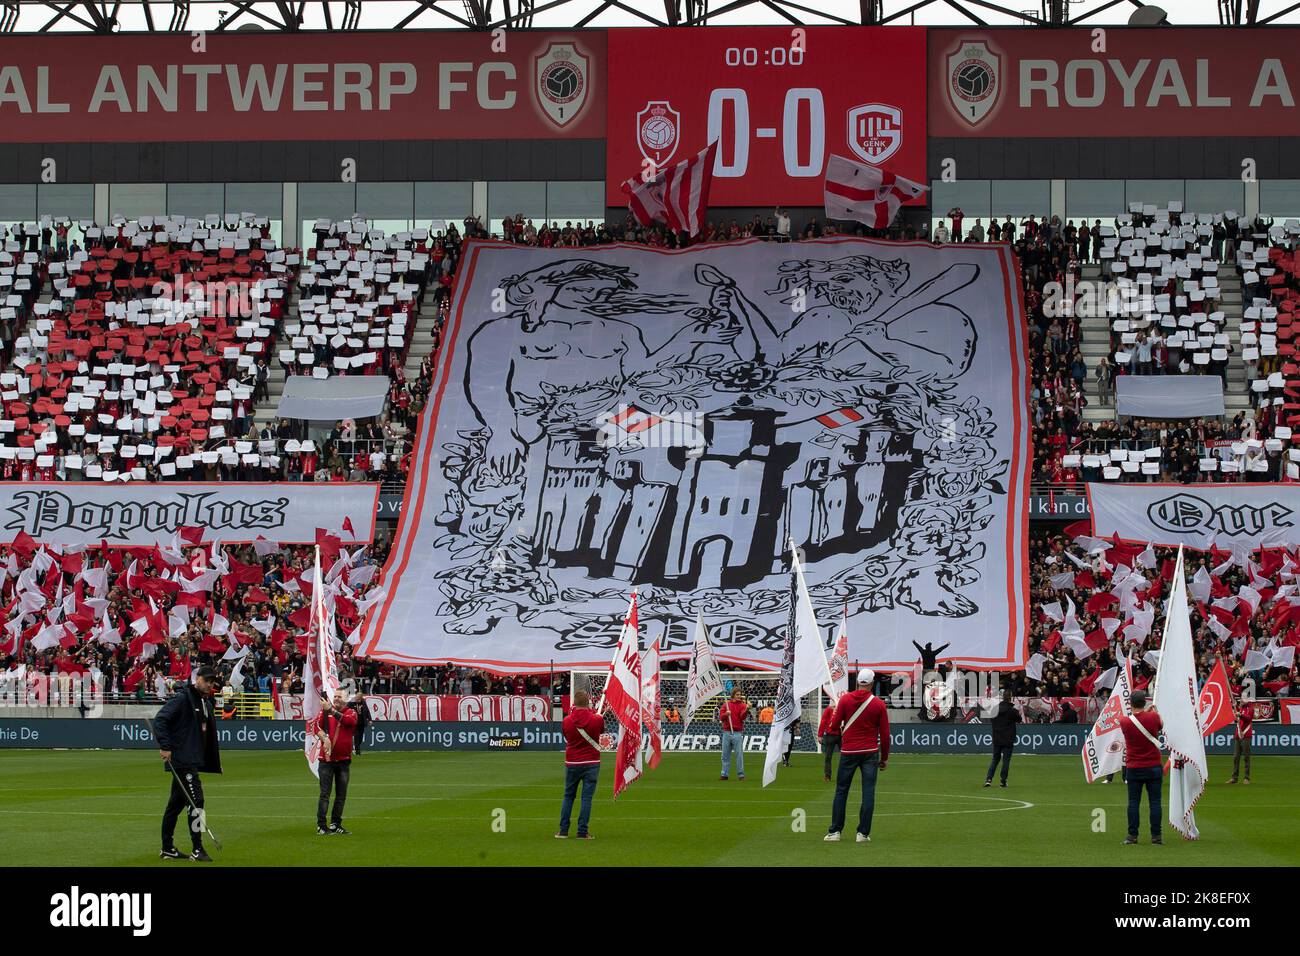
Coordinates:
1017 523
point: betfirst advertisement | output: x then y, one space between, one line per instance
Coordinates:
1115 82
366 86
778 100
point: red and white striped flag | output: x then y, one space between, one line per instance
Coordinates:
631 419
866 194
645 198
623 698
678 195
840 417
320 669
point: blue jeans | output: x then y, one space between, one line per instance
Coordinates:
586 774
1150 779
1001 752
869 763
733 740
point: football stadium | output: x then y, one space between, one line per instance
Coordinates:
612 433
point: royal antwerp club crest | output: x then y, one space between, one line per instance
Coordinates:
657 131
974 80
563 77
875 131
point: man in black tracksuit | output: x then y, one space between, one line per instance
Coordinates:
1004 737
186 730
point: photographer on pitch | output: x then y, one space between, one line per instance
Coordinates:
338 723
186 730
359 704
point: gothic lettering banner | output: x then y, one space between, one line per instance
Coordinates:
1258 515
140 514
611 418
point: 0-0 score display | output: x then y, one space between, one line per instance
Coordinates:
777 101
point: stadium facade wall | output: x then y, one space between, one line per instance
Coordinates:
1040 739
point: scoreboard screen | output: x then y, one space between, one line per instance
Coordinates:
779 101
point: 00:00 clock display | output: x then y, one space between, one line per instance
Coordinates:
777 56
790 130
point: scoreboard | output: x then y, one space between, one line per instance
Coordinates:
779 101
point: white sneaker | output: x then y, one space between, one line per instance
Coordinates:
832 837
863 839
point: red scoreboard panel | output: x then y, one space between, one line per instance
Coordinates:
780 101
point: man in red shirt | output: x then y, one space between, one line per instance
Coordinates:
1142 764
337 722
582 730
862 721
732 716
828 740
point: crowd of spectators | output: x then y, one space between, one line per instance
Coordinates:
1244 615
359 285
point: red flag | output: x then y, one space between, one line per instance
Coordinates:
347 526
24 545
1097 640
212 645
1215 703
1100 601
191 535
1084 579
1078 528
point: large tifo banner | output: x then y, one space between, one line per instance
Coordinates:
1113 82
139 514
619 418
419 85
778 102
1259 515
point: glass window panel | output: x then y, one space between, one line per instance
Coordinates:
1094 199
1215 195
443 202
1021 197
1279 198
262 199
974 196
196 200
133 200
71 200
17 204
515 198
578 201
332 201
389 201
1160 192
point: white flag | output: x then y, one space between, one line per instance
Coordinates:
1103 748
803 668
864 193
702 681
320 675
1176 701
839 663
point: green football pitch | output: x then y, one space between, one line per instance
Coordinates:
102 808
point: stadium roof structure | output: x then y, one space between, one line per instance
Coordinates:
286 16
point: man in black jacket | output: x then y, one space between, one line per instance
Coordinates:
359 704
186 730
1004 737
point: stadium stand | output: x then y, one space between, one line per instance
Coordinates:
89 352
